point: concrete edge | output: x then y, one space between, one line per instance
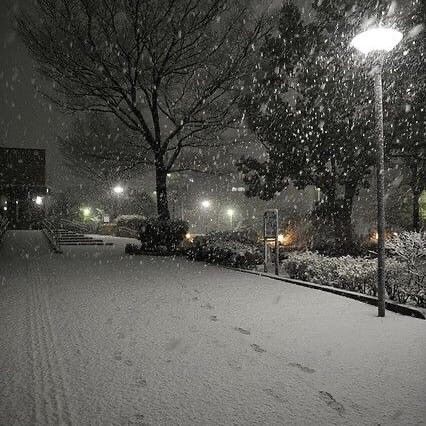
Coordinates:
371 300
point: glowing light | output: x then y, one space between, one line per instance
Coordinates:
118 189
206 204
374 236
377 39
286 239
230 212
39 200
86 211
188 236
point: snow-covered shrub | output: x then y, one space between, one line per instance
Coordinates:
226 248
156 234
354 274
410 249
132 221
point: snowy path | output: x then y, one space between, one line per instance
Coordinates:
96 337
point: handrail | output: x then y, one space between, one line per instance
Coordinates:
50 233
77 227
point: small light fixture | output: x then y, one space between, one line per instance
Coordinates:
39 200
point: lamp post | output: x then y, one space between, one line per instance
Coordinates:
230 213
378 41
205 204
118 191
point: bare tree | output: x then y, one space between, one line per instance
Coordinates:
169 70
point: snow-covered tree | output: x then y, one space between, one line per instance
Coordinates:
169 70
405 111
311 107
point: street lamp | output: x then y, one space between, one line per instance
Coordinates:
118 189
230 213
378 41
205 204
87 211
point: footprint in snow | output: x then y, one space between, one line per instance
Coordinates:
128 362
137 419
257 348
302 367
141 382
207 306
213 318
120 335
242 330
118 356
331 402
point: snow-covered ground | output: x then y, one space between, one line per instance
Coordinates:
93 336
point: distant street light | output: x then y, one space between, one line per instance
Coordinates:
206 204
378 41
118 189
39 200
87 211
230 213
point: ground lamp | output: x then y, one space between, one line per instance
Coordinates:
378 41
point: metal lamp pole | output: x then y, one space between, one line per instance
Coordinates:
378 41
380 177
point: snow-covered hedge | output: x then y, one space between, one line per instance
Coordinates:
355 274
410 249
226 248
133 221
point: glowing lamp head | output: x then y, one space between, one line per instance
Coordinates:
86 211
377 40
39 200
118 189
230 212
206 204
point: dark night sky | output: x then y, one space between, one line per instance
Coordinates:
27 120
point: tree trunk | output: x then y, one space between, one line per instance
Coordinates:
161 188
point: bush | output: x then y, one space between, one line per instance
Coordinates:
162 235
227 248
410 249
356 274
132 221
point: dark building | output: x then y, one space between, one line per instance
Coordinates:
23 186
